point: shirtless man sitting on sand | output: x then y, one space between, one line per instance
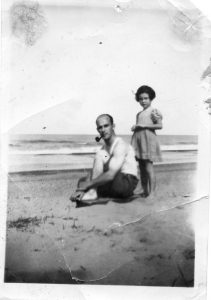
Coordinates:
115 169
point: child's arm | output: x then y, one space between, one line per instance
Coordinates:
156 126
156 117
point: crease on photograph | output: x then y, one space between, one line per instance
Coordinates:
91 251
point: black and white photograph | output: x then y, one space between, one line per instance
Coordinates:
105 159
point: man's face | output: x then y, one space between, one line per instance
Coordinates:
105 128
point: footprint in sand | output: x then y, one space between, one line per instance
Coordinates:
131 249
67 218
59 238
189 253
113 244
180 207
143 240
153 256
161 256
36 250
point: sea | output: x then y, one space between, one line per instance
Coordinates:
37 152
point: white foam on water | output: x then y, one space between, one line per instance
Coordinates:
92 149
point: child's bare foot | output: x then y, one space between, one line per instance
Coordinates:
144 194
151 195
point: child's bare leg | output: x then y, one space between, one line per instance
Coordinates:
144 177
151 176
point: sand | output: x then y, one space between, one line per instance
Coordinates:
148 241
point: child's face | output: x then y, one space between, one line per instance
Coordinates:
144 100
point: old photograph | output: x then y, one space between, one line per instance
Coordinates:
108 108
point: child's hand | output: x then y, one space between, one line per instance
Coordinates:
156 115
133 128
140 126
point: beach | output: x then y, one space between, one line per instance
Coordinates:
146 241
40 152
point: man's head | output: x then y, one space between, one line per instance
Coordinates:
105 126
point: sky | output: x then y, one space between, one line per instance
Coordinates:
86 60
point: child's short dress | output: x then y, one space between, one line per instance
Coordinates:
145 141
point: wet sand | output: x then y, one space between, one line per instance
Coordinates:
148 241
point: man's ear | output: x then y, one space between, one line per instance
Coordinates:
114 125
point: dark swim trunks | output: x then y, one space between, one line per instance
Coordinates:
122 186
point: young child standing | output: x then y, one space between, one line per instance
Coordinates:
144 139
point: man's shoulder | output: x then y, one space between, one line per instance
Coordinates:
121 141
121 145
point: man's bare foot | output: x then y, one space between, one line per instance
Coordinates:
90 195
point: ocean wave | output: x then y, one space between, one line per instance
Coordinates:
180 147
47 141
14 145
92 149
61 151
43 144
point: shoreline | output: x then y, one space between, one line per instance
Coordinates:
159 167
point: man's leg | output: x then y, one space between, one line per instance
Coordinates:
123 185
100 160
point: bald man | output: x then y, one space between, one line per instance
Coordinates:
115 169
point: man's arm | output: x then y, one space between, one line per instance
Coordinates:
114 167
